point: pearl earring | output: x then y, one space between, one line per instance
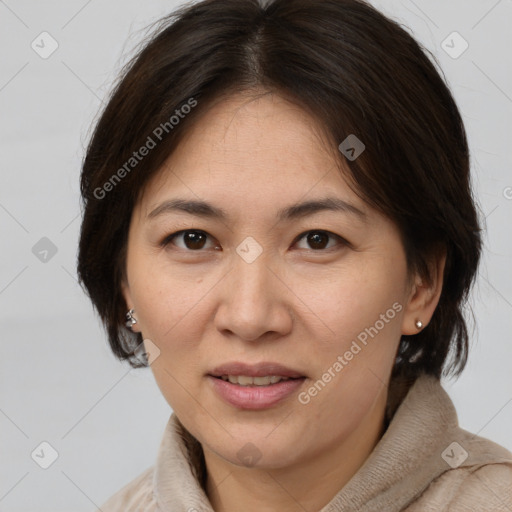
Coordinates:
419 324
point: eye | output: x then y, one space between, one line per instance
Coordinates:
191 239
319 240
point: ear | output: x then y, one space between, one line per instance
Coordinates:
424 296
125 290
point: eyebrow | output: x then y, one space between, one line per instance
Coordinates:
295 211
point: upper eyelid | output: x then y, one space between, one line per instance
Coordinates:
171 236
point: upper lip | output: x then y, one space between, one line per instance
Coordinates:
255 370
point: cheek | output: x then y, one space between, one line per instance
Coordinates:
357 330
173 316
168 300
349 300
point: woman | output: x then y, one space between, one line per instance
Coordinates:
278 219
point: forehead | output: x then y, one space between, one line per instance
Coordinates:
255 147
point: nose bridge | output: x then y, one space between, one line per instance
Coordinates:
251 280
252 302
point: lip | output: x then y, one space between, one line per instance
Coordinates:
254 397
255 370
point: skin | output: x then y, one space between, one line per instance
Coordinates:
297 303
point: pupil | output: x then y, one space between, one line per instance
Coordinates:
317 240
194 240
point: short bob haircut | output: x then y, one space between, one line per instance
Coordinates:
356 72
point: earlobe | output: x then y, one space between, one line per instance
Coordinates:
424 297
125 290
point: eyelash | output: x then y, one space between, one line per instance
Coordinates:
168 239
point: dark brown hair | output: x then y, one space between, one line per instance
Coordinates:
353 69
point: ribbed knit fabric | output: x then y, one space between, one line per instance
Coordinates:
416 466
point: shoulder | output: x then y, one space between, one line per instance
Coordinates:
484 482
481 483
479 478
485 488
469 489
136 496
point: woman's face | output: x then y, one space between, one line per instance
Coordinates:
297 271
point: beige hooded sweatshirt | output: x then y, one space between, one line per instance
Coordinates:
424 462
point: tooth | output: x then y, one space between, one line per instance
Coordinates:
263 381
243 380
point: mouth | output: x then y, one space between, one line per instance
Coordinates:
246 380
254 386
261 374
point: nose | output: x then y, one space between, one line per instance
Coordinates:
254 302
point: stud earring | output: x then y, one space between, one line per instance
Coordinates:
419 324
130 320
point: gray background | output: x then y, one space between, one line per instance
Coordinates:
59 382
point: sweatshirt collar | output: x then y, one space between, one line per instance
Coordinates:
404 462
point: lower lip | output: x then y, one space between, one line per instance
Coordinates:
254 397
